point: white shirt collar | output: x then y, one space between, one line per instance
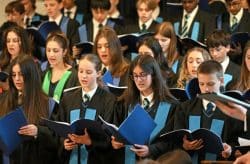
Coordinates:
72 10
103 66
57 20
205 102
148 23
90 93
116 14
96 27
191 16
149 97
225 63
96 24
238 16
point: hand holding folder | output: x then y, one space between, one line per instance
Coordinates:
76 127
9 126
211 141
135 129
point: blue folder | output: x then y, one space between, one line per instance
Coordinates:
135 129
9 125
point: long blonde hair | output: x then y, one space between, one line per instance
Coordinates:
244 82
184 76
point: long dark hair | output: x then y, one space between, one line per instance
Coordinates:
149 65
24 47
243 83
155 46
118 64
34 101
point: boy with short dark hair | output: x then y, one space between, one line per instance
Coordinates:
15 12
218 44
99 10
200 113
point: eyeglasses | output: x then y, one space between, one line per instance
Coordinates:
142 76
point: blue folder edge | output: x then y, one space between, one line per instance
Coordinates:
9 125
137 127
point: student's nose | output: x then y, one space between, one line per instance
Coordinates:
17 77
103 49
207 89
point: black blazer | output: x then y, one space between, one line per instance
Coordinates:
206 24
133 27
231 130
100 151
223 22
234 70
90 29
80 16
72 32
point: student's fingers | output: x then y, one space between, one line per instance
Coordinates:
72 137
199 144
227 150
191 145
115 144
29 130
86 132
66 140
137 146
70 146
232 110
244 159
142 151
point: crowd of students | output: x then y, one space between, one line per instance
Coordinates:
60 71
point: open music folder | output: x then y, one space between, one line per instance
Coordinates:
211 141
76 127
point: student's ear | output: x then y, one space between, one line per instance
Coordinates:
222 81
228 47
99 74
65 51
61 5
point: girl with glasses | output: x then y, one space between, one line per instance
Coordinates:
146 82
